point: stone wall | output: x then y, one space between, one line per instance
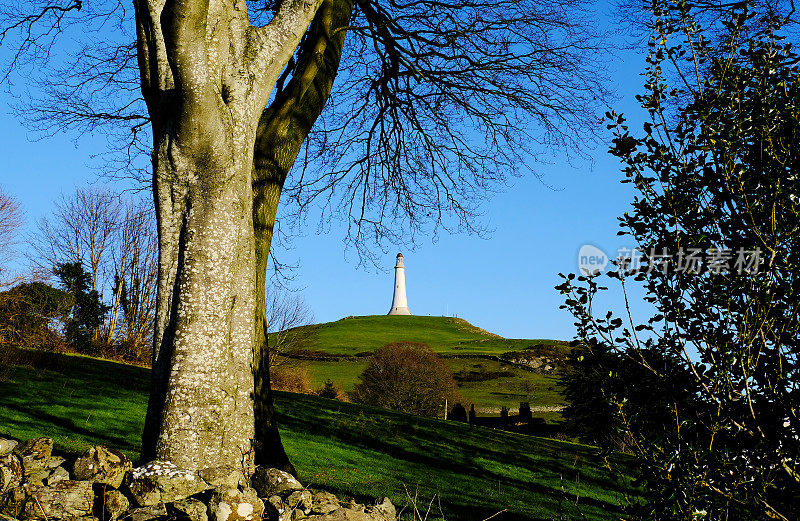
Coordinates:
103 485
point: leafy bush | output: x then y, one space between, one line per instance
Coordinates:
707 389
88 310
458 413
332 391
407 377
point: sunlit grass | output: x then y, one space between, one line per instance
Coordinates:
349 449
445 335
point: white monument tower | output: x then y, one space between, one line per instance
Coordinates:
399 302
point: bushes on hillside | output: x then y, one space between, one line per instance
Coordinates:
31 313
332 391
293 379
407 377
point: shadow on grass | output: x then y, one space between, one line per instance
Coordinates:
68 425
482 455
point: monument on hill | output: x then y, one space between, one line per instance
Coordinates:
399 302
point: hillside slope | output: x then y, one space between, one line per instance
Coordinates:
346 448
445 335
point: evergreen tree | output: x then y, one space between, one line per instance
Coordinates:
88 310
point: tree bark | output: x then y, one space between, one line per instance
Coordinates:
281 131
206 77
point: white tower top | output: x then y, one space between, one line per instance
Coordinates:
399 301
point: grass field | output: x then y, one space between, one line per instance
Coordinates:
346 448
445 335
508 391
359 336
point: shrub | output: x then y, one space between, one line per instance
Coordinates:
29 315
332 391
458 414
291 379
707 387
407 377
88 310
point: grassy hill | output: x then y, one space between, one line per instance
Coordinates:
348 449
445 335
489 384
505 385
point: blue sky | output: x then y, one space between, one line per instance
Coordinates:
503 283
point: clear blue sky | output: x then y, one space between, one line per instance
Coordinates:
503 284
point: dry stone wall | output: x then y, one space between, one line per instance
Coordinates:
103 485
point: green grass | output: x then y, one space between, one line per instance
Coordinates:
345 373
346 448
360 336
445 335
504 391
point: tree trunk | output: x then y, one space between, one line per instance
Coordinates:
206 77
206 314
281 131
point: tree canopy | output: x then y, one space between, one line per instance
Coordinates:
435 104
407 377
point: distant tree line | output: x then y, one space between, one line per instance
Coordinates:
92 282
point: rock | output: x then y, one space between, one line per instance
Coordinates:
189 509
275 509
325 503
273 482
12 502
114 504
55 461
352 505
162 481
224 477
341 514
383 510
102 465
301 501
144 492
157 511
345 514
64 499
235 505
6 446
11 472
37 477
58 474
35 453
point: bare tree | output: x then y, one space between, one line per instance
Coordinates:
435 103
135 280
11 220
289 320
114 239
80 229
